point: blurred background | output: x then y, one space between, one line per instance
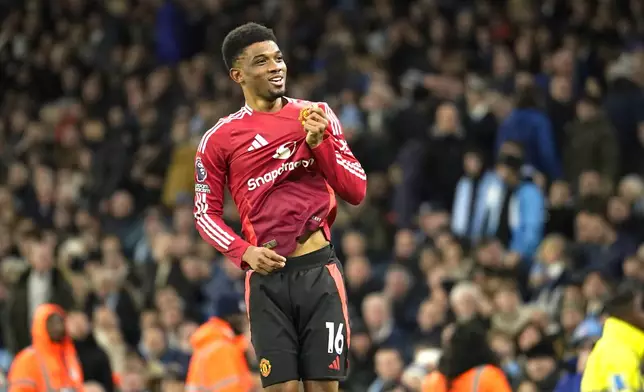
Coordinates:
102 105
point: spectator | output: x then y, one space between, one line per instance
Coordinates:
467 197
109 292
541 366
513 210
103 103
521 121
623 99
506 350
428 158
561 213
225 278
122 222
380 323
432 317
468 364
214 344
399 291
548 272
389 368
479 123
94 362
465 301
361 357
592 142
360 280
154 348
41 283
608 249
51 362
584 339
510 315
560 106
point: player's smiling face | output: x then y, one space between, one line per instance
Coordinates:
264 70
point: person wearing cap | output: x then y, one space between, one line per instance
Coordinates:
583 340
615 362
218 361
542 365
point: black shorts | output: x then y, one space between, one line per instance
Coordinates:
299 319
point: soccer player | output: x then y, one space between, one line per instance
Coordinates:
283 160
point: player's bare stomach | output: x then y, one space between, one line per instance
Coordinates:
309 242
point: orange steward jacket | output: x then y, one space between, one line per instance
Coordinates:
218 361
46 366
481 379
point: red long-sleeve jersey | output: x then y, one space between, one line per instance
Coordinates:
282 188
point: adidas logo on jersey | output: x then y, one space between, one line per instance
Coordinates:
335 365
257 143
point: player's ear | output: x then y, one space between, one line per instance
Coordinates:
236 75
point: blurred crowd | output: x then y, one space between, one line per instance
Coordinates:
504 142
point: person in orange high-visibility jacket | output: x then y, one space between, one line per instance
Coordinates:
50 364
218 360
468 364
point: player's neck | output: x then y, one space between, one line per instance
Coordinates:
262 105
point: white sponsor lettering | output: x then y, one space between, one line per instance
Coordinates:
203 188
270 176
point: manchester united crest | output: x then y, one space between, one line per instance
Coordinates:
264 367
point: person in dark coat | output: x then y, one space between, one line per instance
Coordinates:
591 143
431 166
94 361
41 283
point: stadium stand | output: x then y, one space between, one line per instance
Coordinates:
504 142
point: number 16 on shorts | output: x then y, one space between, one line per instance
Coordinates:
336 338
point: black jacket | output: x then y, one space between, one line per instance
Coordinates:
94 362
17 329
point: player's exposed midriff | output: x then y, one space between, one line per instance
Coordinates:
310 242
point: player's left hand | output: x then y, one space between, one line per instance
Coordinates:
315 122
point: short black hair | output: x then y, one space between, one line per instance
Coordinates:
594 205
242 37
622 299
467 349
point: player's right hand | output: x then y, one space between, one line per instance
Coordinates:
263 260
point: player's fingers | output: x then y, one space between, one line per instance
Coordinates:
311 127
317 125
317 110
271 265
272 255
317 118
260 269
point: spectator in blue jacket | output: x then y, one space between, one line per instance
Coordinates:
513 207
522 121
584 338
